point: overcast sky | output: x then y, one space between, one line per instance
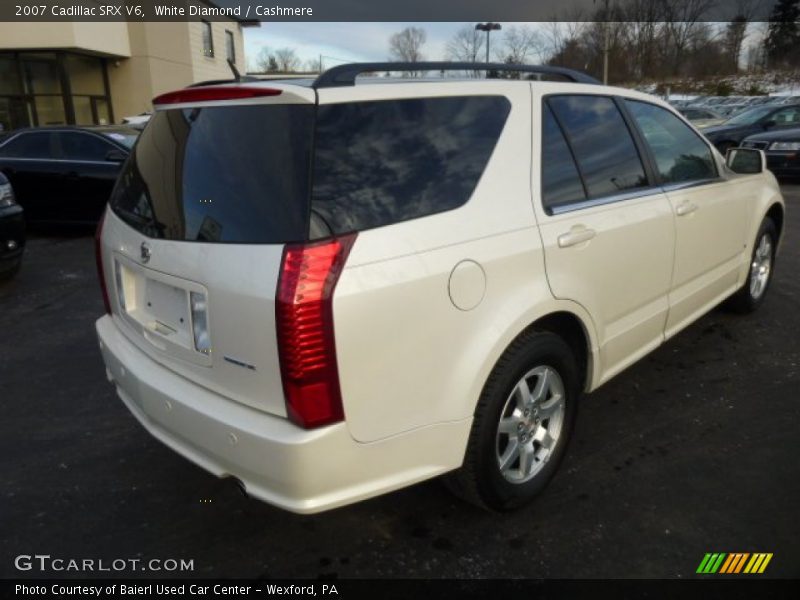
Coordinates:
346 42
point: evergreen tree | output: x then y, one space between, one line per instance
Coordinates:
782 43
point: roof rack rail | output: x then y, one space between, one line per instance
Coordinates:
345 75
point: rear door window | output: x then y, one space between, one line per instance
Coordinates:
599 137
382 162
561 182
680 154
83 146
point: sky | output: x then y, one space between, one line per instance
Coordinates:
346 42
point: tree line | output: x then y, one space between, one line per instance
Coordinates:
642 40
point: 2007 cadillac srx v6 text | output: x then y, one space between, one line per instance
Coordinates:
334 288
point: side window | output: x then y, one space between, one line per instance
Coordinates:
382 162
83 146
681 155
603 146
561 182
29 145
788 117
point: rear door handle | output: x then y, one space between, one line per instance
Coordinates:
575 237
686 208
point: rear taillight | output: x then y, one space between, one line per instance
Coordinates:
213 93
98 254
304 321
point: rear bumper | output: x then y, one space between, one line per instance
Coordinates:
279 463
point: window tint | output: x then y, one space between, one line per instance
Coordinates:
83 146
603 146
681 155
382 162
29 145
234 174
561 182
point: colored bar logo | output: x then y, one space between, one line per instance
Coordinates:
734 563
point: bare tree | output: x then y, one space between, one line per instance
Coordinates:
519 45
406 45
680 19
265 61
466 45
287 60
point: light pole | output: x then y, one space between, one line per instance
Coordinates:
488 28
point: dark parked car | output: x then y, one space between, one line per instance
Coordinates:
64 174
12 230
782 148
749 122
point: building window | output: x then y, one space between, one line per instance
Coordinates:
208 40
230 46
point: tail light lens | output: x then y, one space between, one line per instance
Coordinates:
304 320
98 254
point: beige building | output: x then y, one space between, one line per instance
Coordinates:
95 73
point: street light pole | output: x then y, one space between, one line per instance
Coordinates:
488 28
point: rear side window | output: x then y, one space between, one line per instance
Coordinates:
83 146
235 174
603 146
382 162
29 145
679 152
561 182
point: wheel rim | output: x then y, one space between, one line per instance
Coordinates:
530 424
761 267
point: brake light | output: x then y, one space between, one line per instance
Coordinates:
208 94
98 254
304 321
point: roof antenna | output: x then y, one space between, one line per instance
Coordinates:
236 75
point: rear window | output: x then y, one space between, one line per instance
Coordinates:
235 174
243 174
382 162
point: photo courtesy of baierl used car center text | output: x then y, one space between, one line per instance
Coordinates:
350 299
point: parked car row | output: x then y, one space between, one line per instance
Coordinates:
60 175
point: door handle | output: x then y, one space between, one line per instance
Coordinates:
686 208
575 236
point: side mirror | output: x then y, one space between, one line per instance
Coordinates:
116 156
746 161
769 124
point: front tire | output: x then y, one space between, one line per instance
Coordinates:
762 262
522 424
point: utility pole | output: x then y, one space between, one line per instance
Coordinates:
488 28
606 14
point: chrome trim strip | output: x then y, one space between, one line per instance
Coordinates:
602 200
690 184
63 160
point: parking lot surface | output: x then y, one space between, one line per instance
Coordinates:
693 450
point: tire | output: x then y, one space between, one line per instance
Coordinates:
755 287
541 435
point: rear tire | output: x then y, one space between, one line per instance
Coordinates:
522 424
762 262
11 273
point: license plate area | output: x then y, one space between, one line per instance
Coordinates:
156 305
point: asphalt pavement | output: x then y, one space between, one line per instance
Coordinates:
693 450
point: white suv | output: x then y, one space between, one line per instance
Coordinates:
333 289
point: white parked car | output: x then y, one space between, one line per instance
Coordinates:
337 289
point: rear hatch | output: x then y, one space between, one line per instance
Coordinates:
194 237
